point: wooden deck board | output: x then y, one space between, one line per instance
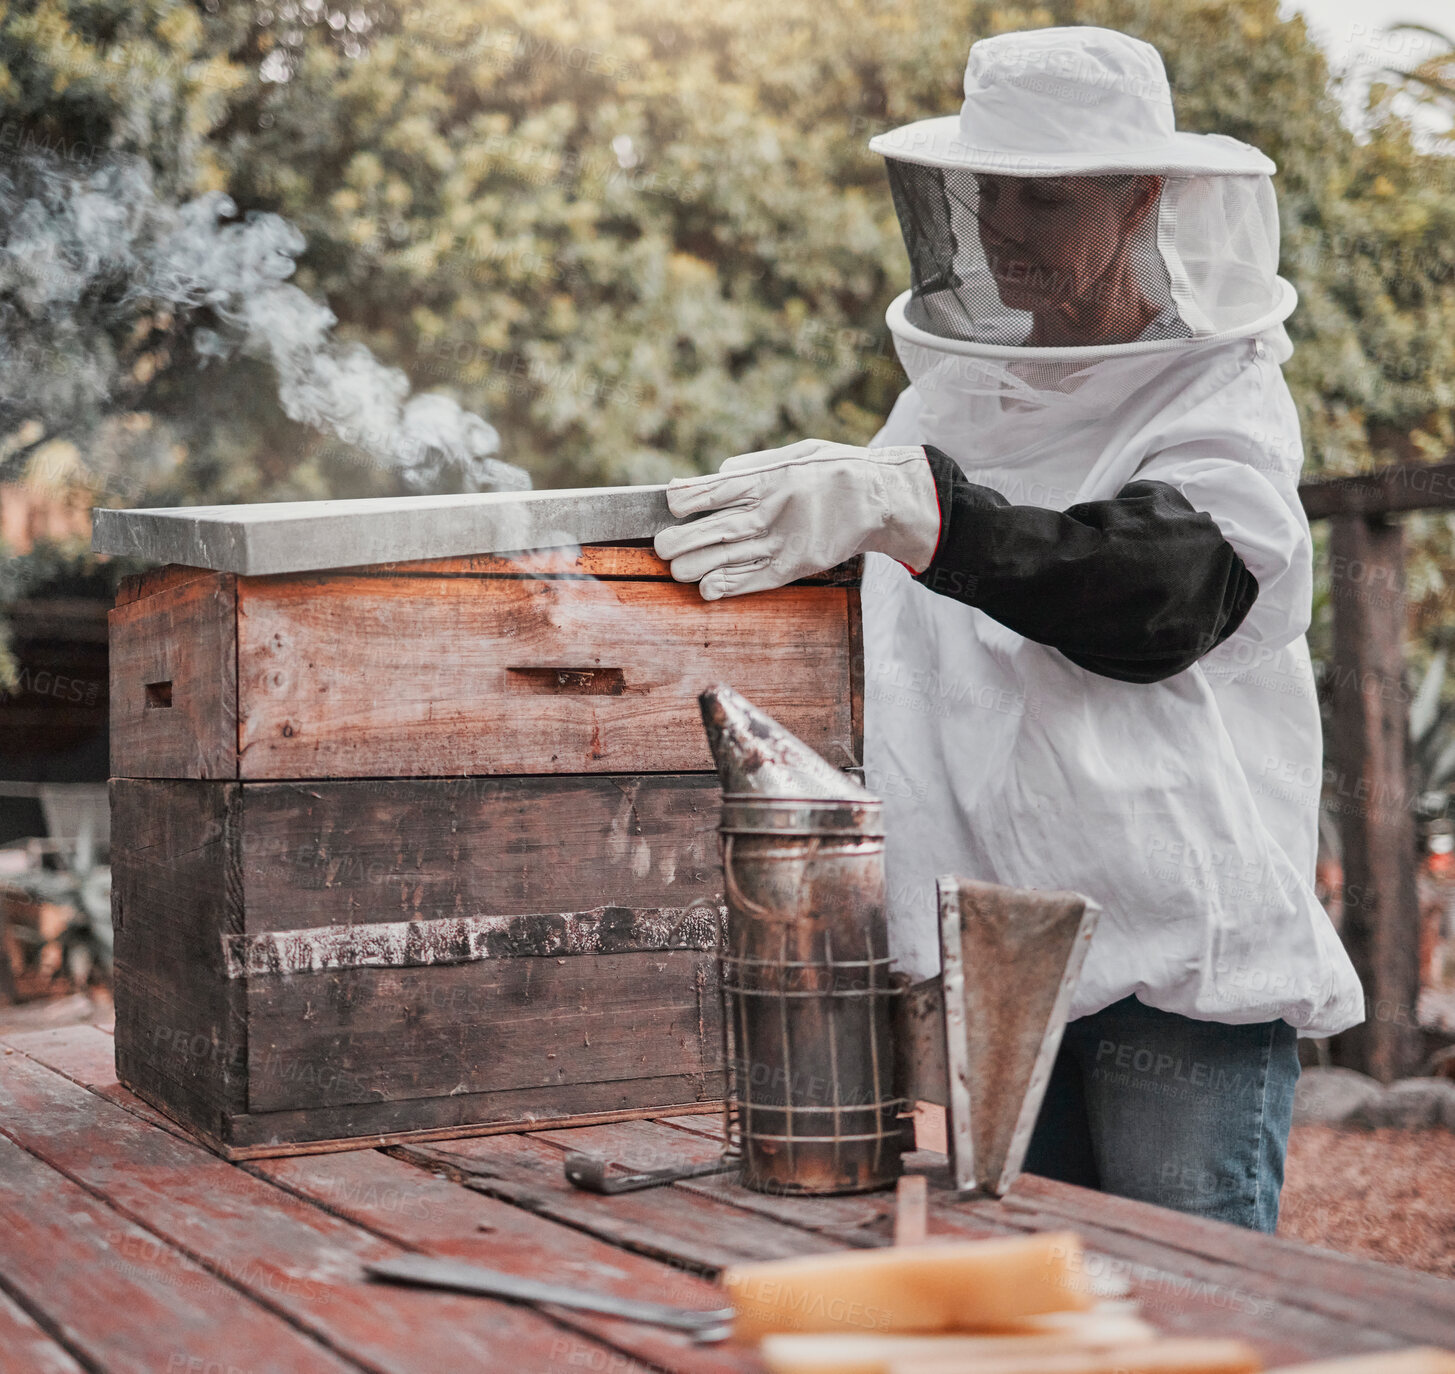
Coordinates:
120 1298
87 1170
294 1258
420 1211
1419 1306
859 1220
1192 1290
87 1055
665 1223
1186 1294
25 1347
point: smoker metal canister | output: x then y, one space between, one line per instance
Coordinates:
805 963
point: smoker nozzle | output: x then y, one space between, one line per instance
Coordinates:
757 757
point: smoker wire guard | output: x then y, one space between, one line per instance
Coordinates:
869 980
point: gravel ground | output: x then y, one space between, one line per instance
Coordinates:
1385 1195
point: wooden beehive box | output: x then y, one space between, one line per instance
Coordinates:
423 848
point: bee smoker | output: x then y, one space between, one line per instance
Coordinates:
810 1104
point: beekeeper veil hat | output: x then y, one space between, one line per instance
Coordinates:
1062 210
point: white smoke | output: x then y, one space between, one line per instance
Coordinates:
80 248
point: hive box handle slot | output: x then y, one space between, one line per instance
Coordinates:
158 694
591 682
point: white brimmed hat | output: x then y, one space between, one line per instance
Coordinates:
1067 102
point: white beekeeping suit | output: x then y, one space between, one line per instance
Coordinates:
1088 573
1187 807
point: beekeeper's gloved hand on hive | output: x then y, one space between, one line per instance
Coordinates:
1058 274
784 513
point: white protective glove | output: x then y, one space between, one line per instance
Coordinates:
784 513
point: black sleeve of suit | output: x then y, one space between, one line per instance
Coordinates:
1136 588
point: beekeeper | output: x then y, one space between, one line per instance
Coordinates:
1088 582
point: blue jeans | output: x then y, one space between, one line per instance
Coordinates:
1192 1115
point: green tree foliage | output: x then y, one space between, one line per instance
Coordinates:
644 236
641 236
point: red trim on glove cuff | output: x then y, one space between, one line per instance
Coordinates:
939 532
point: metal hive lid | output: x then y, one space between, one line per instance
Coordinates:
271 537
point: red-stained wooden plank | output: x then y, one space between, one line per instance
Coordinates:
709 1123
666 1223
294 1258
87 1055
406 1204
859 1219
1420 1307
1186 1294
25 1348
1296 1288
1182 1293
118 1297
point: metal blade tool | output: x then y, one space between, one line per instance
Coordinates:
426 1272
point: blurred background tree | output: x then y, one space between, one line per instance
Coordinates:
641 236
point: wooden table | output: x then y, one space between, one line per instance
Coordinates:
126 1246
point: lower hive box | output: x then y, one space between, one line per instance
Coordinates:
430 848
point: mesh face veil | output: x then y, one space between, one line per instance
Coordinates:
1087 262
1062 210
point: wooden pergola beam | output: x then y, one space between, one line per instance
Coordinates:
1398 487
1368 752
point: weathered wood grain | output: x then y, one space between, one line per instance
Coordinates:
431 1215
363 1125
365 850
1186 1295
1370 773
87 1055
590 560
1390 488
371 1035
862 1219
1183 1290
181 1030
300 1253
154 580
443 940
25 1348
174 681
294 1258
669 1223
345 676
267 1058
116 1295
1419 1307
